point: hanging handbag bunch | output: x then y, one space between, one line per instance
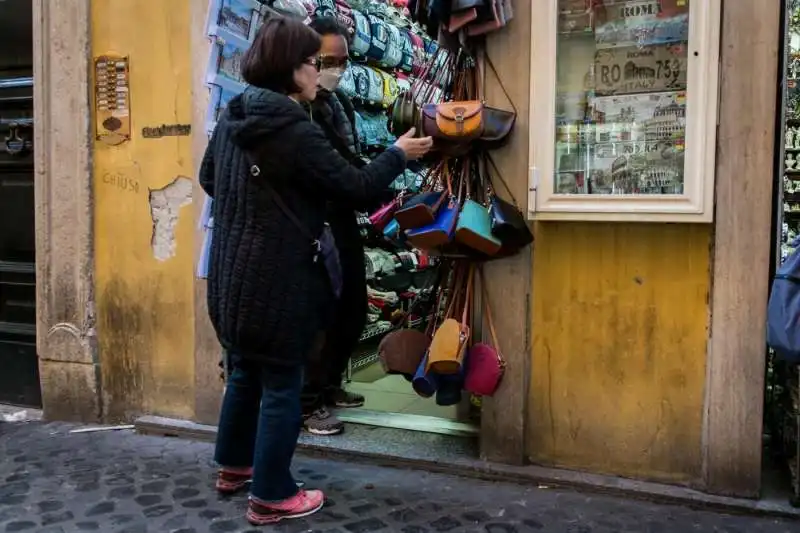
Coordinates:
442 369
466 122
405 113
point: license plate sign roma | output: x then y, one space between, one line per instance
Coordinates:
636 69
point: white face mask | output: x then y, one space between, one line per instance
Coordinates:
329 78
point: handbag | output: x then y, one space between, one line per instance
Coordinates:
441 230
449 343
490 18
421 209
384 215
463 12
363 34
361 80
322 247
485 366
474 228
508 222
498 123
453 121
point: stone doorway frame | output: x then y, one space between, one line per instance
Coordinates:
65 333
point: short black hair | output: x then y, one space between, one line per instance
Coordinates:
328 26
280 47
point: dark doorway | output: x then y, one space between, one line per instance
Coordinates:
19 370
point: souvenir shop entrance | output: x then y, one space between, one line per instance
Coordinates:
19 379
394 53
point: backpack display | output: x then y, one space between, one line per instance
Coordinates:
380 38
344 15
325 8
394 48
375 91
407 62
363 34
361 79
783 312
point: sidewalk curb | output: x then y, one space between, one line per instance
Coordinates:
526 475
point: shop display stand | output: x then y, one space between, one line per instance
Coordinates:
782 395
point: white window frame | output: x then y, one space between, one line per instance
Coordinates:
697 202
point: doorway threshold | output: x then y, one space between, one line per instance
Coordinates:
425 424
458 456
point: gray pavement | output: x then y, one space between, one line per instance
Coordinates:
52 481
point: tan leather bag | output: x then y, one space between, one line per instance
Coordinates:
453 121
449 344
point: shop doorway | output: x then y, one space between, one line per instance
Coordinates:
19 379
782 394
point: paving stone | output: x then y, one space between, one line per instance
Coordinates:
120 482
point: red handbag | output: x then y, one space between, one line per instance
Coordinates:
485 364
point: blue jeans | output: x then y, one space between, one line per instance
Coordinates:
260 423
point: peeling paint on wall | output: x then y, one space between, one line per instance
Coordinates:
165 206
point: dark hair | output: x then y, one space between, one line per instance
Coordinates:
328 26
280 47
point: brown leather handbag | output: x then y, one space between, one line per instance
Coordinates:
453 121
498 123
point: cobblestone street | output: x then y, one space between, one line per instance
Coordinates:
52 481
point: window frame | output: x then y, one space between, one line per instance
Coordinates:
702 104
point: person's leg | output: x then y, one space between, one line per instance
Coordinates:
238 422
316 418
345 332
274 493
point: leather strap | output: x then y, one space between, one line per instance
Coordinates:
488 60
487 310
499 176
469 291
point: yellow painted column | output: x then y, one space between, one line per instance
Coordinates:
143 223
620 328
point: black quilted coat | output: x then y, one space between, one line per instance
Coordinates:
266 296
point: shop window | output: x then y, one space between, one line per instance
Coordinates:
624 110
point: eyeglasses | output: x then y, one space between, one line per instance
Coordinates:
313 61
333 61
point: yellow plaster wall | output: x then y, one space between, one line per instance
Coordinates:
145 306
619 328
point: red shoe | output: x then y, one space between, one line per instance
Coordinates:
231 481
302 504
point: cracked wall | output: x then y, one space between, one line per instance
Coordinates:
144 232
165 208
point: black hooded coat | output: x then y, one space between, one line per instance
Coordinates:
267 298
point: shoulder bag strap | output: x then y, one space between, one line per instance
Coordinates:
255 171
487 311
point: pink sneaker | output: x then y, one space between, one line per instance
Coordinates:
230 481
304 503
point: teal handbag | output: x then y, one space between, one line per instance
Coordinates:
474 228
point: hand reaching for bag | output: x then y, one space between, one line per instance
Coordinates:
413 148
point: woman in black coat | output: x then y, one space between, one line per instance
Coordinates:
271 171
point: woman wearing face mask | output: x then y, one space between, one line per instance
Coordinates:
333 112
271 172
